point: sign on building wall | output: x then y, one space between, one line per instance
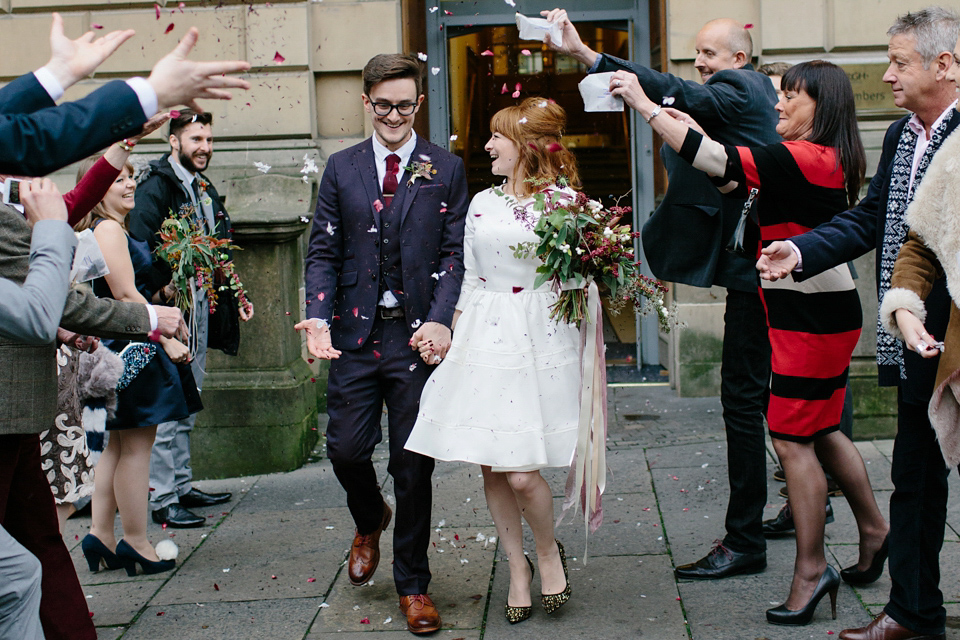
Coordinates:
873 96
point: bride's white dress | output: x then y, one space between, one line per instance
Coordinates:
507 394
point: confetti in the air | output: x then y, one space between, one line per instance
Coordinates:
435 70
168 29
96 26
487 53
277 58
511 3
525 52
372 229
309 165
330 228
262 167
422 56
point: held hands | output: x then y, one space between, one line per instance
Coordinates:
71 60
432 340
915 336
778 259
42 201
77 341
318 338
178 80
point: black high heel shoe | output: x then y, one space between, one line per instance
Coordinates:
829 583
131 559
519 614
98 555
851 575
553 601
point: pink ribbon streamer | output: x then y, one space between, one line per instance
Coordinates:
586 478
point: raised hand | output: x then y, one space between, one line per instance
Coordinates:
776 261
42 201
318 339
572 44
71 60
178 80
151 125
627 86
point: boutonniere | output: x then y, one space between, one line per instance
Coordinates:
420 170
203 184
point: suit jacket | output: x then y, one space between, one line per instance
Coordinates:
343 259
28 373
685 238
37 136
859 230
30 313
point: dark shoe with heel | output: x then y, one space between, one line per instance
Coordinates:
829 583
519 614
98 555
131 559
852 575
553 601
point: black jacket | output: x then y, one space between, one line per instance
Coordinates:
685 238
160 192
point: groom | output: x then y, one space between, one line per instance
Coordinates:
383 274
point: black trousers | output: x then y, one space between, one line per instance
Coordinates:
384 370
744 389
918 515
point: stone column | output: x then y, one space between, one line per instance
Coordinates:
260 407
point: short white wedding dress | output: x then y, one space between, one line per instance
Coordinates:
507 394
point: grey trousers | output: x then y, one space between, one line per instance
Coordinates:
170 472
19 591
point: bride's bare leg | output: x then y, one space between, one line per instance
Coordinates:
535 500
506 516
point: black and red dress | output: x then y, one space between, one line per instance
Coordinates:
813 325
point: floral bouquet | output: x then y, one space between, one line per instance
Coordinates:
581 241
194 255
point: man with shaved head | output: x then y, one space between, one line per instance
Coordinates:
685 241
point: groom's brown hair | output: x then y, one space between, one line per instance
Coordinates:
390 66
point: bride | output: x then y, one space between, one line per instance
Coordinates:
506 396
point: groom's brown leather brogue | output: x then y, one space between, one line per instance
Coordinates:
422 616
365 552
884 627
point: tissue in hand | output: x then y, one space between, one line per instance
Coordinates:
595 91
536 28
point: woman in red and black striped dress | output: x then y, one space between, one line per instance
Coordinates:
814 325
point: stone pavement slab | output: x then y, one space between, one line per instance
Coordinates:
665 502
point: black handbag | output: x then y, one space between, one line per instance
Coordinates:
223 328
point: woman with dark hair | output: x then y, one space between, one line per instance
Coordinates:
506 395
814 325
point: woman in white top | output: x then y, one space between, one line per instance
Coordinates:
506 395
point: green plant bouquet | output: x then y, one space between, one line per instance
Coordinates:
580 242
198 259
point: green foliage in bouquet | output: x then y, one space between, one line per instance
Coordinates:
195 254
580 240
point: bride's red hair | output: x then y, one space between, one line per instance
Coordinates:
536 127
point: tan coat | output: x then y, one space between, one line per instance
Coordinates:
28 373
932 251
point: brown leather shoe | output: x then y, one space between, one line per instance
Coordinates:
884 627
365 552
422 616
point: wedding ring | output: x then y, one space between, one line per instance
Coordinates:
618 83
437 359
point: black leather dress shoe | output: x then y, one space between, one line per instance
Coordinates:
196 498
782 525
177 517
722 563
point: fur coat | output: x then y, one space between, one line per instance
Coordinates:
932 251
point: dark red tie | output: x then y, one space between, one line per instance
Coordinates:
390 178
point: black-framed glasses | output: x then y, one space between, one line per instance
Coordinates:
383 109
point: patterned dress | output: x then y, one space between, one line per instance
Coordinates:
813 325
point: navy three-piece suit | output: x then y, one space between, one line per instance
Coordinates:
359 248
